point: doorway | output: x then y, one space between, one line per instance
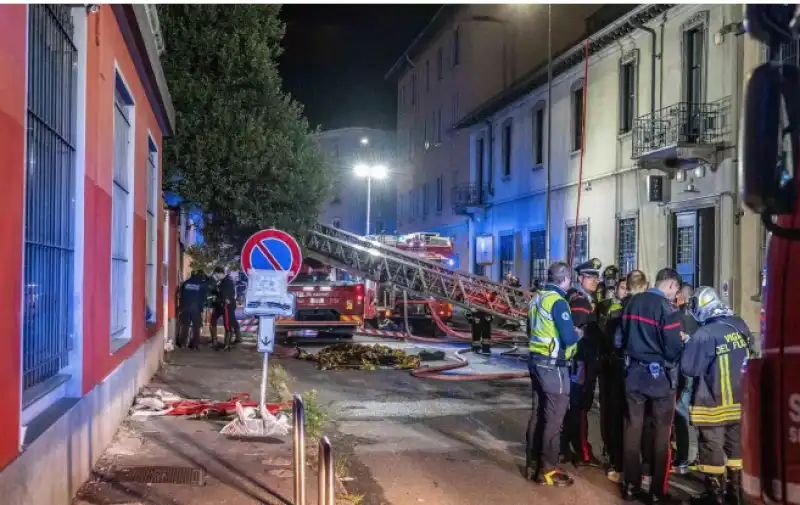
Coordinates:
694 245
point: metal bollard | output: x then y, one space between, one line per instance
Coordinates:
326 477
299 449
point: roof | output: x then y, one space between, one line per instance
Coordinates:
439 21
600 40
142 44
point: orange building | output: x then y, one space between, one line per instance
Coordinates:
86 242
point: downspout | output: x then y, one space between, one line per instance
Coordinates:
653 57
549 131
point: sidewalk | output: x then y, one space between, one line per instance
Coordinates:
224 471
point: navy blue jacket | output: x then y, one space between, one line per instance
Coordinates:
651 329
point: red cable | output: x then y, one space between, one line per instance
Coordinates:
583 146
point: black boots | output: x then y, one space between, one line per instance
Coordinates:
715 491
733 488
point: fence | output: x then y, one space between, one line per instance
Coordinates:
326 490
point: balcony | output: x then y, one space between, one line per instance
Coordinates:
469 198
684 131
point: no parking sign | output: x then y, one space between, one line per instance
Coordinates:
272 250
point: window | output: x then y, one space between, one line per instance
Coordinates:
48 271
121 215
424 197
507 132
456 115
506 255
479 162
626 257
439 64
439 194
456 47
581 244
413 89
380 228
694 47
151 231
402 97
577 118
439 125
427 75
411 209
538 267
627 95
337 223
538 136
425 141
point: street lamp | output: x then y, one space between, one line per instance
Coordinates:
370 172
364 141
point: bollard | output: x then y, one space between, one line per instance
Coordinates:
326 477
299 449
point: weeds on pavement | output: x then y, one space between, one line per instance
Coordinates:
349 499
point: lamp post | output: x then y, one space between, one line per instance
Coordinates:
370 172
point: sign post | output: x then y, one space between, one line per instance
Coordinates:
271 259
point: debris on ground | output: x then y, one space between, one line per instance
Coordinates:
252 423
349 356
164 403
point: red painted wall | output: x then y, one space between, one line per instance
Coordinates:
12 164
106 48
173 260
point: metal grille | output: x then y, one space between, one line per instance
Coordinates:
538 257
627 245
581 244
49 194
506 255
685 251
152 231
788 53
120 219
159 475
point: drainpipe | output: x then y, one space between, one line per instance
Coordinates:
549 131
653 56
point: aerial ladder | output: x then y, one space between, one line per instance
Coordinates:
413 274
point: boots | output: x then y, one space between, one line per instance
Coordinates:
733 488
715 491
214 342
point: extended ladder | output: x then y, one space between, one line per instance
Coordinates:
386 264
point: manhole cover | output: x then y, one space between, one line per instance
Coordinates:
159 475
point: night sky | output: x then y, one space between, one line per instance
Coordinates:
336 56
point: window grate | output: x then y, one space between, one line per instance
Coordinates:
506 255
626 256
152 233
581 244
49 194
538 266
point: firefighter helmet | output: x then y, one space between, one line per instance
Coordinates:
706 304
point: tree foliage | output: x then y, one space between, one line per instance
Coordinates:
242 152
208 256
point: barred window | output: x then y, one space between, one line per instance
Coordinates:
538 266
152 231
626 255
506 255
581 253
47 326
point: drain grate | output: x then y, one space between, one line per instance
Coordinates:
159 475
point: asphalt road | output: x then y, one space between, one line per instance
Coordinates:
414 441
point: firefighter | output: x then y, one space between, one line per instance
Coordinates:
481 326
224 306
715 355
553 340
651 339
611 377
192 299
585 365
682 428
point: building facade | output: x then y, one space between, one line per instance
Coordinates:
348 148
464 58
86 239
642 157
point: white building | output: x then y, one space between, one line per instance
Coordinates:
658 183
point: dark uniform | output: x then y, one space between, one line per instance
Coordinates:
552 344
192 300
225 307
611 378
481 326
651 339
715 356
682 427
586 366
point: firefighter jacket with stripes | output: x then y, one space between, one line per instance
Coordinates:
715 356
550 325
609 312
651 329
584 315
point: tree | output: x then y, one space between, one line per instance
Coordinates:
243 152
206 257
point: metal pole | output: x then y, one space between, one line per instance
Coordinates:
369 199
326 495
264 373
549 131
299 450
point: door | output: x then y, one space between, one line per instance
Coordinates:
694 246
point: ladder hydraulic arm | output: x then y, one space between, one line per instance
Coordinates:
420 277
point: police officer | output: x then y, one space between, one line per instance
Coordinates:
553 341
715 356
192 299
612 372
586 364
225 307
651 340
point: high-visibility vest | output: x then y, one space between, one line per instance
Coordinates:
543 333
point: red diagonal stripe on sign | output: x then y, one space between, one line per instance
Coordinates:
269 256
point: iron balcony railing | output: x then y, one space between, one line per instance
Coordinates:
469 195
684 124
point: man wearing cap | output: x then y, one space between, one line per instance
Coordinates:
581 298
